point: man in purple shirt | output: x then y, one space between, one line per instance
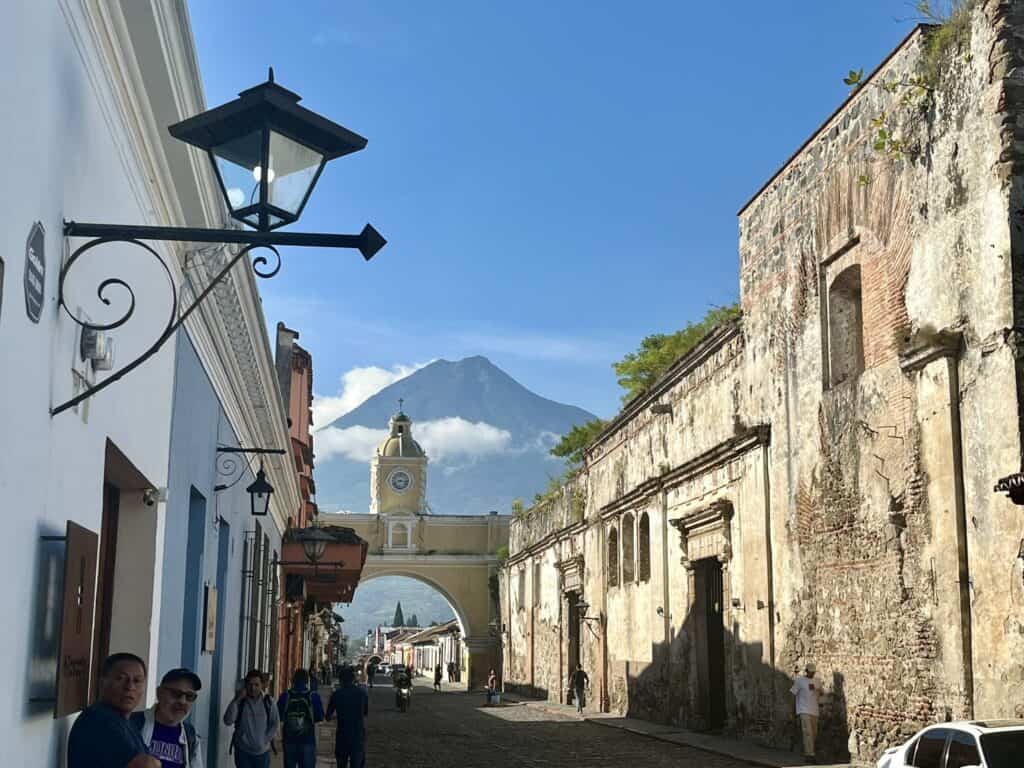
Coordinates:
165 732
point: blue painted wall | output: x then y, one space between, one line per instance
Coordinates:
204 537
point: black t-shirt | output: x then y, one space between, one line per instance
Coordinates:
579 679
102 738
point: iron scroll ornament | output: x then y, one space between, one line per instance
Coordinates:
174 320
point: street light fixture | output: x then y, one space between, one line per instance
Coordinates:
260 492
314 543
582 606
267 153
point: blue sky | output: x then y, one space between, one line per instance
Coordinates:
555 179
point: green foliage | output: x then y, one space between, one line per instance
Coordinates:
638 370
579 505
517 508
951 22
413 621
573 445
502 554
399 620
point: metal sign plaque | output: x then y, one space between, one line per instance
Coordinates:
76 620
35 272
210 619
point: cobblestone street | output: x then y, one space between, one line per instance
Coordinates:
453 728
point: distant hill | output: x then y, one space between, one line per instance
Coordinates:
487 437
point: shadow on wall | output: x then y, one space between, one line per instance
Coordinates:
730 691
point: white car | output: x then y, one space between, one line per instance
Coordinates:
978 743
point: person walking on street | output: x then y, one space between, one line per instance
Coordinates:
255 719
451 672
437 677
351 704
102 737
300 709
166 734
807 690
579 681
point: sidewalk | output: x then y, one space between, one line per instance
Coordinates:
734 748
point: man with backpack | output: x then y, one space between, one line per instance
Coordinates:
255 719
351 705
300 710
165 732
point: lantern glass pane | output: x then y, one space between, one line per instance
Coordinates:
293 168
238 162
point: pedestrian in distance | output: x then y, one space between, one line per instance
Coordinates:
492 687
165 732
437 678
300 709
807 690
351 705
451 672
579 682
255 719
102 737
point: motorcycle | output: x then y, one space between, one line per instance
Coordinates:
404 696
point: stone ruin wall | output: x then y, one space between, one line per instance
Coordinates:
858 589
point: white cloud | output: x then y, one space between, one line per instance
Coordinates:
443 440
355 443
356 387
454 436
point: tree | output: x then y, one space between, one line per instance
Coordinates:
573 445
638 370
413 621
399 620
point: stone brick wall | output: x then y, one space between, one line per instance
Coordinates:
838 447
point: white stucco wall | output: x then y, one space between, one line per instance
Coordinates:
65 154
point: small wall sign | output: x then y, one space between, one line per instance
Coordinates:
210 620
35 272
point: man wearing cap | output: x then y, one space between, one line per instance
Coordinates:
164 731
102 737
807 691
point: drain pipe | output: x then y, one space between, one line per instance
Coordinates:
963 563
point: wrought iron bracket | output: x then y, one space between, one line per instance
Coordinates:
368 243
227 462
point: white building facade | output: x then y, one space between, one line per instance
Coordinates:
85 138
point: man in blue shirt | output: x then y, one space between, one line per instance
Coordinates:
351 704
102 737
300 710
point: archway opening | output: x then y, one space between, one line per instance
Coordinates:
406 619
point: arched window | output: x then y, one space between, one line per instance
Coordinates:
400 536
613 558
628 550
644 550
845 327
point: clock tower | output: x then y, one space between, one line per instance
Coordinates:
398 472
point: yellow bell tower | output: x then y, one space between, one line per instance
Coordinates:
398 472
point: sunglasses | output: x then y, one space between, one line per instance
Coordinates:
177 693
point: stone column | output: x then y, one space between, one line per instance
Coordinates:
483 657
933 365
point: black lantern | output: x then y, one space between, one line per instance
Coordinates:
268 152
314 543
259 493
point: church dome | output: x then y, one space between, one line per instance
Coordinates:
400 442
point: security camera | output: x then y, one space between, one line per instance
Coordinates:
151 496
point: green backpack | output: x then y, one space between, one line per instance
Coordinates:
298 716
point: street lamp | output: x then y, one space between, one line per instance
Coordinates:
582 606
259 493
314 543
268 151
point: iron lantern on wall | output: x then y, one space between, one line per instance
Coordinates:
268 152
260 492
314 543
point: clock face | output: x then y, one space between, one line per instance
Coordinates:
400 481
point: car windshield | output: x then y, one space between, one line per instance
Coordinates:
1003 750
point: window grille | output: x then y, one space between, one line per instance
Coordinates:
628 550
644 553
613 558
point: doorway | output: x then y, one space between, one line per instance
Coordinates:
709 588
105 582
572 654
